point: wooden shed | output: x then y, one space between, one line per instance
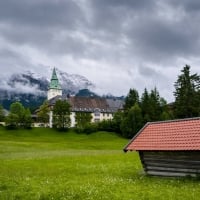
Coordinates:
169 148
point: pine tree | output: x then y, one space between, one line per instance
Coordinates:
132 122
155 106
131 99
145 106
187 94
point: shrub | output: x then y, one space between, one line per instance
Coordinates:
90 128
106 125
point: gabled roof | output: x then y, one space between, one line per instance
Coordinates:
171 135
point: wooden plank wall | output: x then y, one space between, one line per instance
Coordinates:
174 163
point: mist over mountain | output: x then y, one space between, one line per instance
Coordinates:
31 88
72 83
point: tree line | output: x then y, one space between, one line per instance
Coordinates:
151 107
137 110
18 117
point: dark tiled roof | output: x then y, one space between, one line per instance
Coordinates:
169 135
88 103
115 104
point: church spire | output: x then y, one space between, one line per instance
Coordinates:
54 84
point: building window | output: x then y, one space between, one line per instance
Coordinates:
97 112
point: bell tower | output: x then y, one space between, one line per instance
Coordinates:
54 86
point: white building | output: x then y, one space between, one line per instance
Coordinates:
100 108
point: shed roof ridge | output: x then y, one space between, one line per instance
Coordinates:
174 120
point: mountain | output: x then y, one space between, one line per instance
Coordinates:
31 89
72 83
86 93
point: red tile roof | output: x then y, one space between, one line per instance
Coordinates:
168 135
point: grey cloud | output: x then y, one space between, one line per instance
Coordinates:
37 23
154 38
189 6
14 61
120 3
19 88
151 36
154 75
147 71
40 13
127 34
157 40
11 59
8 54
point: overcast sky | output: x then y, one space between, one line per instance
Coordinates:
116 44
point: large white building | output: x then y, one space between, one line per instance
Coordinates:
99 108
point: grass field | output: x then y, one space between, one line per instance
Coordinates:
44 164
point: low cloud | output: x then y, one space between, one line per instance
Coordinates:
116 44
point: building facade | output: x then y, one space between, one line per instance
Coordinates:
99 108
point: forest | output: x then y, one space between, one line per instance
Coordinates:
151 107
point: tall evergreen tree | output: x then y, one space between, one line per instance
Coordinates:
155 106
132 122
145 106
167 113
187 94
131 99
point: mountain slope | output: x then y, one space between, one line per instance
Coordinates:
31 88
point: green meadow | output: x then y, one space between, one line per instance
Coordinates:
45 164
